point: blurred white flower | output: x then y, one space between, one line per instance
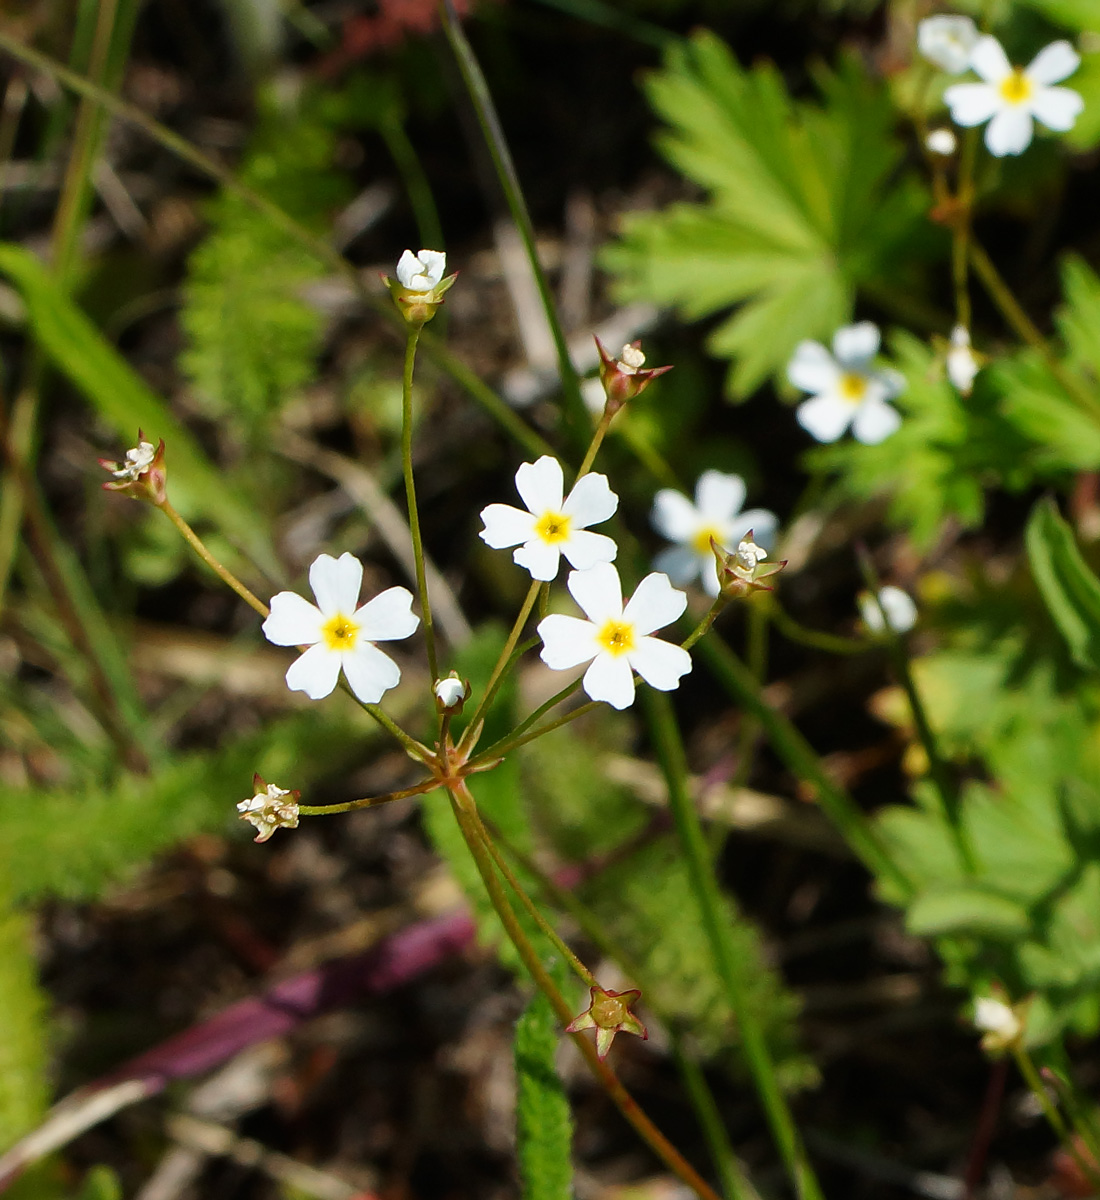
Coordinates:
616 639
942 142
338 633
1001 1023
947 41
270 808
421 272
901 612
1010 97
552 526
715 514
846 387
961 364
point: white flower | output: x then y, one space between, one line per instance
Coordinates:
616 639
994 1016
421 272
338 633
715 514
552 527
138 460
847 390
1011 96
942 142
961 364
450 691
947 41
901 612
269 809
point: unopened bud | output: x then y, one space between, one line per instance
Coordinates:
419 287
625 377
739 571
451 693
1001 1024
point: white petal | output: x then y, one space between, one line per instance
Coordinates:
1009 132
505 526
598 592
408 267
591 501
370 672
719 497
972 103
434 263
824 417
812 368
682 565
315 672
336 583
388 616
541 484
1058 108
855 345
610 679
541 558
874 421
293 621
762 523
1053 63
674 516
655 604
660 664
989 60
566 641
947 41
584 550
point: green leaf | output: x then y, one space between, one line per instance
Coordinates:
124 401
1070 589
966 910
803 205
544 1124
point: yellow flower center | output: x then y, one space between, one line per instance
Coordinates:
853 387
340 632
700 543
553 527
1016 87
616 637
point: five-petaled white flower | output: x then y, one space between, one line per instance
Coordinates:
421 272
340 634
1010 97
715 514
616 639
847 389
901 612
552 526
947 41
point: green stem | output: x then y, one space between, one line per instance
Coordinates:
1054 1117
594 445
462 804
796 632
223 573
324 810
516 738
719 604
960 233
670 752
575 413
417 187
800 757
410 497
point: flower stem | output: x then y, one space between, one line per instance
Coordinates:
324 810
594 445
410 497
223 573
462 803
961 230
795 631
1054 1118
693 844
720 603
517 738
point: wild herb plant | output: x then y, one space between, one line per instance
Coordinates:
813 212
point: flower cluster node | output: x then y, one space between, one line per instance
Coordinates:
451 693
1002 1025
739 573
420 285
141 474
623 378
608 1013
269 808
901 612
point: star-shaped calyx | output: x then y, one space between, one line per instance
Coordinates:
609 1013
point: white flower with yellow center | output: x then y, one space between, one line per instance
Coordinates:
339 634
947 41
1010 98
715 514
553 526
616 640
846 387
421 272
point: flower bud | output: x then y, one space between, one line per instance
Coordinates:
142 474
1001 1024
960 362
451 693
624 377
901 612
739 571
269 808
419 287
